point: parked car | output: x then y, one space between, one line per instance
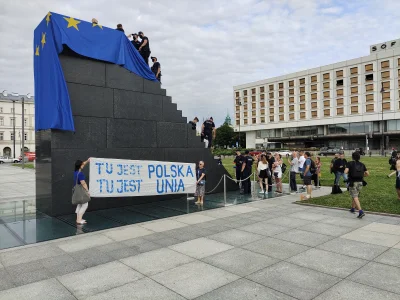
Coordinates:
284 153
9 160
329 152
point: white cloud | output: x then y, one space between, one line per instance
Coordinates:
205 47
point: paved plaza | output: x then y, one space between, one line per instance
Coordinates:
267 249
16 183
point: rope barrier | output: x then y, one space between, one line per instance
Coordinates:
215 186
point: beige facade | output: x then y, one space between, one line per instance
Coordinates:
345 92
10 112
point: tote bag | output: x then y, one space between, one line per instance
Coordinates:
79 194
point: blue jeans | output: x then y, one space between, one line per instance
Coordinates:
338 175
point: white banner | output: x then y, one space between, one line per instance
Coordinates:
126 178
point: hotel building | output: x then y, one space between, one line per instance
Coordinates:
350 104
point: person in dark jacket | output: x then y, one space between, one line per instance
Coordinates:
144 48
120 28
156 68
194 123
238 165
339 166
135 40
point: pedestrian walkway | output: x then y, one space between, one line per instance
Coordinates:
268 249
16 183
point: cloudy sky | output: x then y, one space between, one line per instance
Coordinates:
206 47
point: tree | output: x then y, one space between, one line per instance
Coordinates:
225 136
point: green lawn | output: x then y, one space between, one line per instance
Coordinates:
379 195
27 165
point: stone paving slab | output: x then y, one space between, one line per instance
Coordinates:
127 233
301 237
390 257
372 237
200 248
236 237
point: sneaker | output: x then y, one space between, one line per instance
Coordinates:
261 192
362 214
352 210
293 193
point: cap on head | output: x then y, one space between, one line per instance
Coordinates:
140 32
153 57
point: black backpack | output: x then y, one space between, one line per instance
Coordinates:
284 167
356 170
313 168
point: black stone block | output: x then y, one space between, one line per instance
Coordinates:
122 133
171 135
120 78
153 87
91 101
170 112
133 153
184 155
193 140
83 71
137 106
89 133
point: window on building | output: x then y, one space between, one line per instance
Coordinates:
291 83
271 103
271 95
271 87
386 84
326 76
253 105
12 136
339 101
369 98
369 107
339 111
369 77
261 89
262 111
291 107
386 95
245 93
237 115
291 92
314 114
271 118
281 109
262 119
314 105
339 82
281 85
327 103
302 98
354 80
339 92
354 70
237 94
245 121
314 96
253 91
1 136
302 115
291 116
369 87
369 67
385 64
302 106
314 87
262 104
12 121
280 93
281 117
354 90
281 101
262 97
245 107
354 99
326 85
385 74
244 99
254 120
327 94
1 121
291 99
302 81
271 111
314 78
339 73
25 136
302 89
354 109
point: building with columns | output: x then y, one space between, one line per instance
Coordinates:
348 104
10 115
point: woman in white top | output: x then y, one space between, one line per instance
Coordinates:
277 167
263 173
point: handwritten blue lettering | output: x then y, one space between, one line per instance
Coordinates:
109 168
99 164
189 171
180 168
151 170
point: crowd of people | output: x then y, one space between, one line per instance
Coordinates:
141 44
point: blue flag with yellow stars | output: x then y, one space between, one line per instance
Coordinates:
52 102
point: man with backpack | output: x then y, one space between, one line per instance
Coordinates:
356 171
309 169
393 161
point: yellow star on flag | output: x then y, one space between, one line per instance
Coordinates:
37 51
96 24
43 41
48 18
72 22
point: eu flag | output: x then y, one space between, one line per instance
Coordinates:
52 103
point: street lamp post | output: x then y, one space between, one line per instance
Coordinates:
14 155
382 124
23 132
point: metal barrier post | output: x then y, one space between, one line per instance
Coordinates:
224 190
